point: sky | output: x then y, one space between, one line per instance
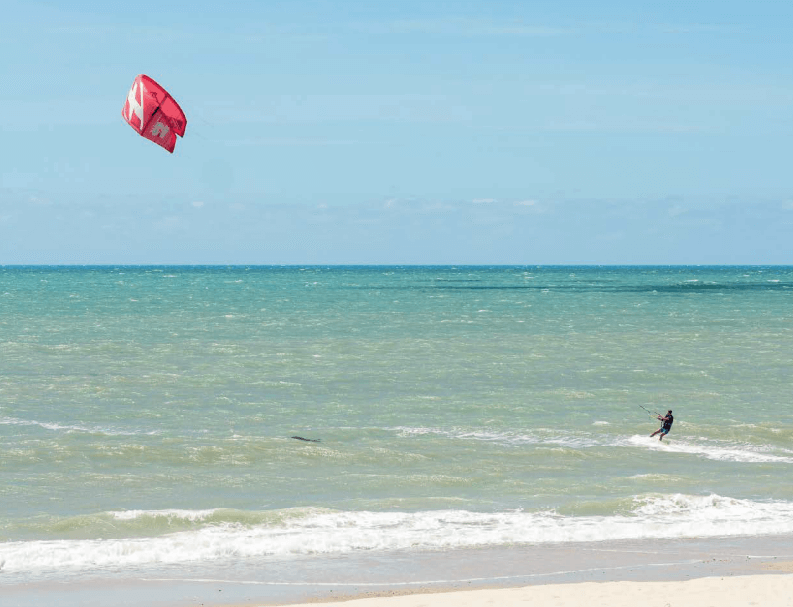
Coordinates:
411 132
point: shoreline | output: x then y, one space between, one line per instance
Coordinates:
381 576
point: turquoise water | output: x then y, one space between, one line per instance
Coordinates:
146 413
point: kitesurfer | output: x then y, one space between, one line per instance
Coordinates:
667 425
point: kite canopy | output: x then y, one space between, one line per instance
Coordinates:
153 113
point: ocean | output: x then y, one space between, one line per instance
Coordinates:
148 415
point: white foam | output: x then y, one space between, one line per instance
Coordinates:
189 515
540 436
715 450
312 531
718 452
54 427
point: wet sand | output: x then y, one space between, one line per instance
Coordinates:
677 571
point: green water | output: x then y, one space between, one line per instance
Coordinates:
142 402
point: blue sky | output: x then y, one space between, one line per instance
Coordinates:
410 132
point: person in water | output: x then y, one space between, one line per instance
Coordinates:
664 430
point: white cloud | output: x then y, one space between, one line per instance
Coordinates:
439 207
169 225
401 230
703 28
610 236
612 125
462 27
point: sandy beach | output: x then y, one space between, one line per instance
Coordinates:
740 591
